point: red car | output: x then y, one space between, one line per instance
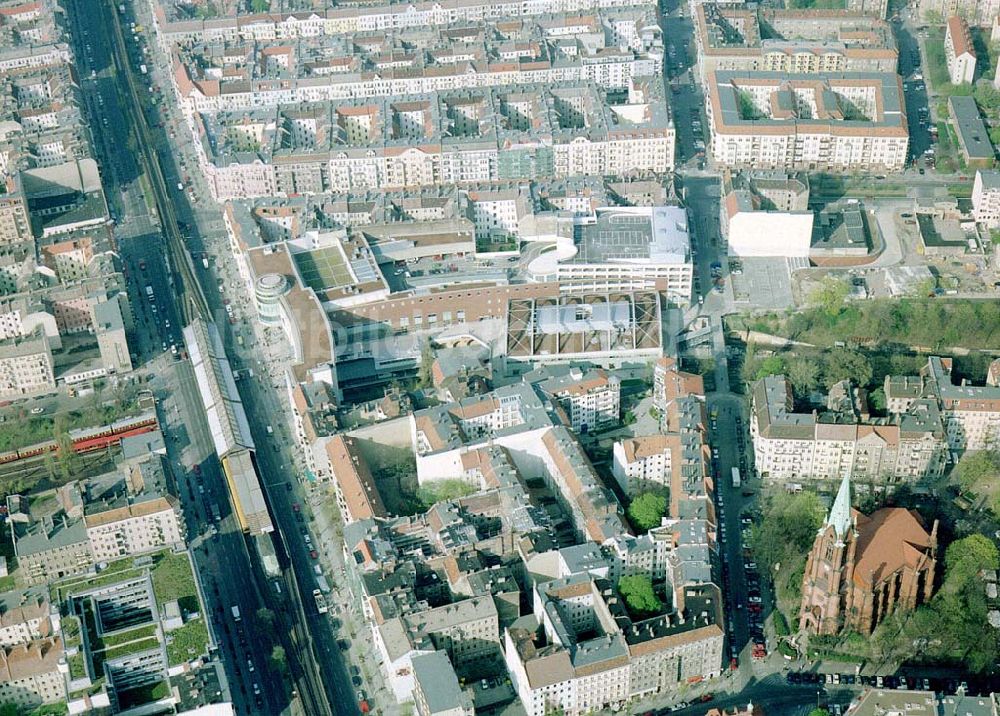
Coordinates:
314 554
295 507
197 469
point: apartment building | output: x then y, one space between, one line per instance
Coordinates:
729 37
110 318
837 122
466 631
580 651
464 136
172 28
909 446
26 365
671 383
143 525
437 690
986 198
959 52
979 13
357 495
647 461
970 413
24 616
15 227
30 674
588 402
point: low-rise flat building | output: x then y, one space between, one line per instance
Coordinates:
959 52
836 122
973 137
754 225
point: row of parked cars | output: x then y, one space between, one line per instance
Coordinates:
878 682
755 600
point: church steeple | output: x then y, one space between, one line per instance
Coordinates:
840 513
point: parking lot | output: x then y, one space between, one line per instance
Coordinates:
764 282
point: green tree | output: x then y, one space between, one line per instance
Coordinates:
965 558
637 591
804 375
278 659
788 527
830 295
772 365
266 620
260 5
819 712
425 373
877 401
979 472
647 510
843 364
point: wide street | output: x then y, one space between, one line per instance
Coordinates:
313 638
219 547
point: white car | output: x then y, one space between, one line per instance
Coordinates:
37 410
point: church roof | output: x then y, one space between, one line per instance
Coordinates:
840 513
889 540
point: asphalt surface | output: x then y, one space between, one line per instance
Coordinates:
220 551
312 638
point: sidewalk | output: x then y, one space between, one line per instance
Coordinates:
326 530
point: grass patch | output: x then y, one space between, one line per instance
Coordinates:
136 647
781 624
71 630
143 632
50 710
77 666
173 579
187 643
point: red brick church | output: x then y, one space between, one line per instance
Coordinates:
862 567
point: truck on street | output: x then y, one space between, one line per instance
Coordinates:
321 605
236 612
736 477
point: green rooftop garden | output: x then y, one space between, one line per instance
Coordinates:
188 642
174 579
77 666
134 647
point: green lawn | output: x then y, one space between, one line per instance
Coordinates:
77 666
187 643
937 63
143 632
173 579
135 647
